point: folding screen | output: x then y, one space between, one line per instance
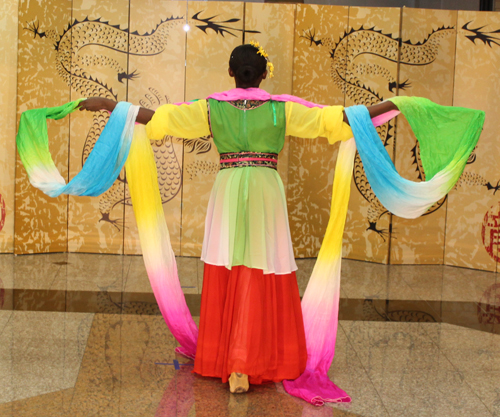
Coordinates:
371 72
278 43
138 51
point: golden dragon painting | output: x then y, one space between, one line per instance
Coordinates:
74 66
347 73
351 75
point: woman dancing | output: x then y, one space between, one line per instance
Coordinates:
251 327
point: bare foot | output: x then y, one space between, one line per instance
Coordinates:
238 383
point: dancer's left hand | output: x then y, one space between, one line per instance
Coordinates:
97 103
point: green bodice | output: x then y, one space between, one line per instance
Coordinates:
258 129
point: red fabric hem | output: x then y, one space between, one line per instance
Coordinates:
251 323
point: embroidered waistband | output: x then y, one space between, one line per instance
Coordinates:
248 159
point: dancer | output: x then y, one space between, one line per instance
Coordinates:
251 326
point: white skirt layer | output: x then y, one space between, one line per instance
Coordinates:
247 222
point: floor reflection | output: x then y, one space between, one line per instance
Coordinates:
75 364
412 341
129 368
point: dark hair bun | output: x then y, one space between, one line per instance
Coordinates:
247 64
247 74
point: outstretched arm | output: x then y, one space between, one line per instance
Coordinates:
187 120
331 122
377 109
99 103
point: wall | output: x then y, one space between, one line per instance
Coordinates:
337 55
428 4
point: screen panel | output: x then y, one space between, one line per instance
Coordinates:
371 70
312 161
274 24
8 92
472 226
157 71
207 60
41 221
98 42
427 69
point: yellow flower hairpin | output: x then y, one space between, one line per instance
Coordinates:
261 51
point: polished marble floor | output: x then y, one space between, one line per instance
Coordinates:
80 335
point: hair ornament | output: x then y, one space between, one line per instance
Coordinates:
261 51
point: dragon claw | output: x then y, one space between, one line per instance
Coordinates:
404 85
124 76
493 187
310 35
115 222
219 27
383 233
486 37
33 27
393 85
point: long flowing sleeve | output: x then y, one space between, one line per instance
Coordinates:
187 121
313 122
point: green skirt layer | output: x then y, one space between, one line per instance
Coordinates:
247 222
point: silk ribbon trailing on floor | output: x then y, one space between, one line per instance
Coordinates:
446 136
157 250
100 170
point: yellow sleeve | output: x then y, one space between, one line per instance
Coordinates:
186 121
306 122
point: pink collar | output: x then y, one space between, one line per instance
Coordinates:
258 94
262 95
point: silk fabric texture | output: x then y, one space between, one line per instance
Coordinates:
455 130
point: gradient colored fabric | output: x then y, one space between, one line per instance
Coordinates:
157 250
252 323
400 196
247 222
320 303
99 172
32 143
446 135
101 168
247 219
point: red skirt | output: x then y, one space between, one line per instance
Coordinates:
250 323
